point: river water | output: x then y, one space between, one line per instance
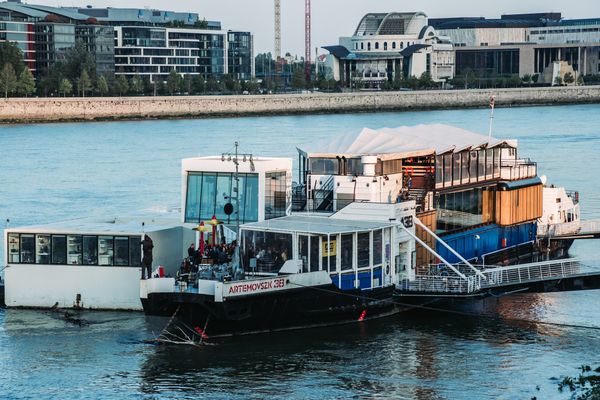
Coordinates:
64 171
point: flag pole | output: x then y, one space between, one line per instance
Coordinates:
492 106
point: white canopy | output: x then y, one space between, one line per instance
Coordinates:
401 142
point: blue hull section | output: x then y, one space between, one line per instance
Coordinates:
474 243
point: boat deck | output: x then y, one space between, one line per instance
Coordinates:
573 230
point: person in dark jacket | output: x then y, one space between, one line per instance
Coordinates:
147 246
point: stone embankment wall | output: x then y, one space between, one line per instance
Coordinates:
107 108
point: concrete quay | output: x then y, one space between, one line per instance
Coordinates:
32 110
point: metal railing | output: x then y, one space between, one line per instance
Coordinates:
451 283
518 169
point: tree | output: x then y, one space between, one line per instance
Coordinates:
527 79
186 84
535 78
26 83
8 79
558 81
11 54
212 85
201 24
102 86
136 85
173 82
298 79
569 78
65 88
121 85
198 84
425 81
78 59
84 83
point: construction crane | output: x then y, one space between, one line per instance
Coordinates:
277 30
307 41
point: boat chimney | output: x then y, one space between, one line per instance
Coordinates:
368 163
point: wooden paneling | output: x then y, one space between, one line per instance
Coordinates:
423 256
519 205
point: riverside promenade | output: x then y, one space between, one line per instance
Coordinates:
30 110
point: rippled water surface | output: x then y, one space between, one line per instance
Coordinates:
64 171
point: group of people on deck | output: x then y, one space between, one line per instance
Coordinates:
215 254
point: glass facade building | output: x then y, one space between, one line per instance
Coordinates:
240 55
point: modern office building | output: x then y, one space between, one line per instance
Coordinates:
17 25
385 46
127 41
522 44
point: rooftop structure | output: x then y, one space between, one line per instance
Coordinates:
388 46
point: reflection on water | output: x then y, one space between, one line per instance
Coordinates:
63 171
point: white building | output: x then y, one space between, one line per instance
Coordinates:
386 46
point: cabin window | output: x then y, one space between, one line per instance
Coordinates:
456 168
275 194
46 249
464 167
42 249
363 249
121 251
489 163
439 170
105 250
460 209
90 250
303 251
314 253
324 166
448 169
27 249
377 249
473 166
354 166
224 191
135 252
347 249
329 253
74 247
13 248
497 151
481 166
266 252
59 249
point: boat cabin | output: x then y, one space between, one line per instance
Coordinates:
91 262
365 246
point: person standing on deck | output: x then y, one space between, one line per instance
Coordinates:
147 246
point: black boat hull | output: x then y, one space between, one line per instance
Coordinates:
291 309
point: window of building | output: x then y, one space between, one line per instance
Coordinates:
369 46
362 46
376 45
401 45
324 166
385 46
393 45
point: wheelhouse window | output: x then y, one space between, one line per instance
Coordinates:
208 192
121 251
363 250
74 247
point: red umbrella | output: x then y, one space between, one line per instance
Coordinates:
214 224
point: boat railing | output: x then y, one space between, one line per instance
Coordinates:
533 272
518 169
438 280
